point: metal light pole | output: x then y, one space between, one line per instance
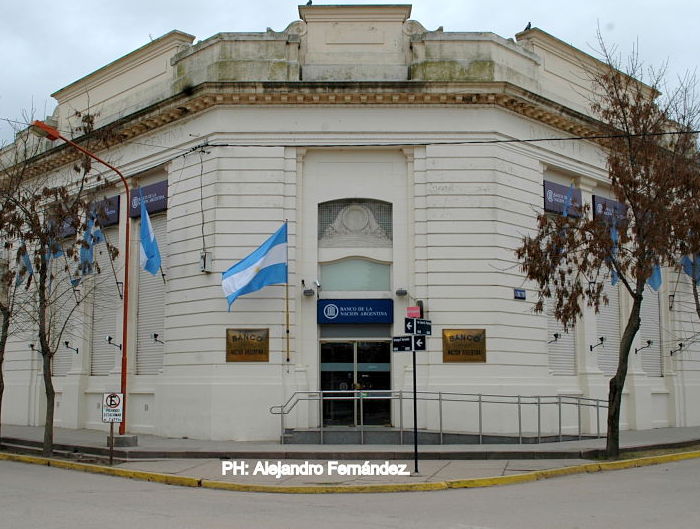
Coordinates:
42 129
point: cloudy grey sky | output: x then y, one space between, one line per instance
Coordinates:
46 45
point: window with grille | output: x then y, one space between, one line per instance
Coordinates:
355 223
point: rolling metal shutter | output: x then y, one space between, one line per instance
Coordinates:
63 357
651 330
151 308
562 352
62 302
609 326
105 307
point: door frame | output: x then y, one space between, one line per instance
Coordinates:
355 341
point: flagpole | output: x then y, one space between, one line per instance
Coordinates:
286 291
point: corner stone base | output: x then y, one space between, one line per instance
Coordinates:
124 440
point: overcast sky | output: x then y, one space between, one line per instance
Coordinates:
47 45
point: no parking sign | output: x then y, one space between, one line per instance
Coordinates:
112 407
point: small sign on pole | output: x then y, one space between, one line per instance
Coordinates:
408 343
418 326
112 407
112 411
413 312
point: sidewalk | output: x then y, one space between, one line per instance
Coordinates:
470 465
152 446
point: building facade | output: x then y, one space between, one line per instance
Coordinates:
395 155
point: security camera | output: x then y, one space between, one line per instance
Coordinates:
318 285
66 343
108 339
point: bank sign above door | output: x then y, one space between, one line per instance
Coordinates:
355 311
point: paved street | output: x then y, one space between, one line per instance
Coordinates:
658 496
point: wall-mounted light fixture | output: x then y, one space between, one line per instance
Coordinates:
308 292
401 292
67 344
680 348
601 341
649 344
109 341
155 338
671 298
556 336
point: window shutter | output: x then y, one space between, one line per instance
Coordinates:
562 352
105 307
151 308
609 326
651 330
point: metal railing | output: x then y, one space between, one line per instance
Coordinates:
542 404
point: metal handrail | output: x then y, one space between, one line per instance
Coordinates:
443 397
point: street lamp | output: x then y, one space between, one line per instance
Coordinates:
43 130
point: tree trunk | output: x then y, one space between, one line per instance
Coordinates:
4 333
50 403
46 354
617 382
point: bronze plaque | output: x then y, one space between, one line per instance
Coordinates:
247 345
464 345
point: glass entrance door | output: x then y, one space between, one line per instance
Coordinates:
364 366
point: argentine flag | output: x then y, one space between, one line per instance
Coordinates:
150 255
265 266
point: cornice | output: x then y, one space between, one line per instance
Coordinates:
296 94
172 40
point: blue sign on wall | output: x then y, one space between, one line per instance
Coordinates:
155 195
608 209
355 311
555 197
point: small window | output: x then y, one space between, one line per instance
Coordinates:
355 274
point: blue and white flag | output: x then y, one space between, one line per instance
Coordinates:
150 255
654 280
568 200
691 266
28 269
265 266
615 237
91 237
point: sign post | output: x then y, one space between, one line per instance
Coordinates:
417 329
415 415
112 411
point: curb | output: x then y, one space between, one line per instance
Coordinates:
183 481
167 479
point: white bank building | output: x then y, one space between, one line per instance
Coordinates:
394 153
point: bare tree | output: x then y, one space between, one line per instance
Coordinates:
51 224
13 171
650 158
